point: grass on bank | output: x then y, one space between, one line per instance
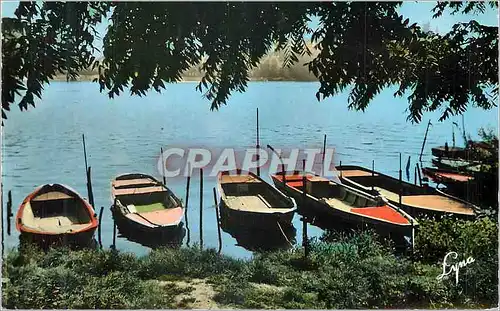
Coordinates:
353 271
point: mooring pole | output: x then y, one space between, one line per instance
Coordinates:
373 173
415 175
282 165
218 221
340 164
84 152
114 234
9 210
163 167
408 168
90 193
99 232
1 218
258 145
201 208
186 205
412 236
89 187
425 138
400 182
304 223
419 175
114 228
323 157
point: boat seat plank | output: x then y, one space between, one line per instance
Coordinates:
52 195
135 182
127 191
356 173
437 203
166 217
238 179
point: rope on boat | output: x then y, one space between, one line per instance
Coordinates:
282 232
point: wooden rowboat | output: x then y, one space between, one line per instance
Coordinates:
56 214
456 165
143 206
344 205
247 200
441 176
416 200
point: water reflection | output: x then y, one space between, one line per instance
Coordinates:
260 239
171 239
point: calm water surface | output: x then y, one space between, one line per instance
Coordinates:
125 134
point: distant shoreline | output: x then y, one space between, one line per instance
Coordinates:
90 78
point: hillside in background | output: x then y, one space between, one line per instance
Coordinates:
270 69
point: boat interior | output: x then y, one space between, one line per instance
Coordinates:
55 211
246 192
382 183
412 195
344 198
141 194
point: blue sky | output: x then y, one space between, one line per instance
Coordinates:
417 11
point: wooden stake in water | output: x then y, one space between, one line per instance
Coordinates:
412 236
373 173
415 175
400 182
425 138
1 218
340 164
100 226
258 145
218 221
186 206
9 210
323 156
201 208
282 165
90 193
163 167
419 175
305 239
84 152
89 186
114 228
408 168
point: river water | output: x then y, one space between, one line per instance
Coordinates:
44 144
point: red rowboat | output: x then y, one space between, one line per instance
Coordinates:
56 214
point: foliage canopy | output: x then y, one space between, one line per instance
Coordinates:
366 46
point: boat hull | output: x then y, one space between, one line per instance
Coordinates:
325 216
84 239
452 152
127 226
151 233
83 236
413 210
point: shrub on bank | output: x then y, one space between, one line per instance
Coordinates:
478 282
349 271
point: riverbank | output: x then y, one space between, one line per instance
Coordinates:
86 78
340 272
